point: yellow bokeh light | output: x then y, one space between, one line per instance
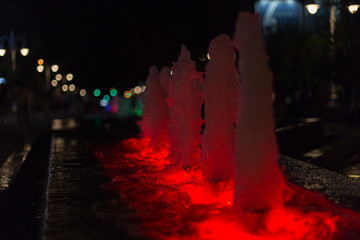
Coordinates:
40 68
72 87
65 87
54 83
82 92
58 77
40 61
69 77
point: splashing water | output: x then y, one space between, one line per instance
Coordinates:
156 113
177 206
256 203
258 179
220 94
185 102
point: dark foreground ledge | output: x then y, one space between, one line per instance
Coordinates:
338 188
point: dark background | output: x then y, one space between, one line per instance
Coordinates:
113 43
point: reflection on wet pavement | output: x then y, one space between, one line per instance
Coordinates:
11 166
78 205
63 124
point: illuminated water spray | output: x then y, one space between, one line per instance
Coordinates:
156 114
185 106
258 181
220 94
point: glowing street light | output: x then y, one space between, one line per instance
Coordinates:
24 51
353 6
312 7
12 40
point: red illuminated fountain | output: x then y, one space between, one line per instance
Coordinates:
225 183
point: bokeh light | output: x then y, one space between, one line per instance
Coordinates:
113 92
106 97
137 90
127 94
58 77
54 83
69 77
97 92
82 92
103 103
65 87
40 68
72 87
55 68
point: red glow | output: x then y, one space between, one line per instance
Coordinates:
176 205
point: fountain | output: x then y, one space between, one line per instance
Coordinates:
156 114
220 94
258 179
239 155
185 106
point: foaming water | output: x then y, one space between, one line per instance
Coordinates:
179 206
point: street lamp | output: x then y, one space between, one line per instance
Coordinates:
353 6
12 39
312 6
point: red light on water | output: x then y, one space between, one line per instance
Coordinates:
175 204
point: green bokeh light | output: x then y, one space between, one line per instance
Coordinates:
113 92
97 92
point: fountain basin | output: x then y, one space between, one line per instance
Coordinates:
178 206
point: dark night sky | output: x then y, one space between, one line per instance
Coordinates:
113 43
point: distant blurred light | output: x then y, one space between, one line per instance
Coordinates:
354 176
143 88
113 92
40 61
24 51
137 90
202 57
103 103
132 91
127 94
353 8
2 52
106 97
69 77
58 76
55 68
54 83
65 87
312 7
40 68
97 92
82 92
171 72
72 87
208 56
2 81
